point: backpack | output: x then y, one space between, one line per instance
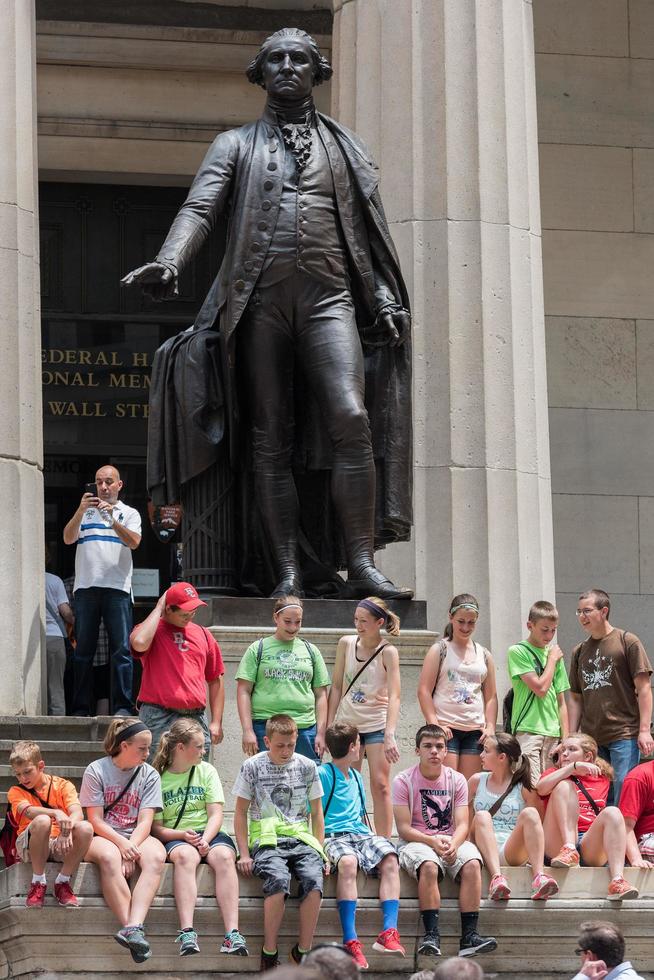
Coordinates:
9 831
507 703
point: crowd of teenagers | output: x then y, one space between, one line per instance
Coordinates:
560 786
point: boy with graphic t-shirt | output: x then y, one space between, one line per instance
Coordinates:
50 824
539 719
637 807
278 788
430 803
350 844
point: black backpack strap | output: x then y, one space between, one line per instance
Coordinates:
367 664
259 656
364 812
111 805
500 800
313 658
538 668
578 783
183 807
442 652
331 792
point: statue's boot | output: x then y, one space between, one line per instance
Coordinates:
278 506
353 493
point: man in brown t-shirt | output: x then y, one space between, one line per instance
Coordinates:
610 691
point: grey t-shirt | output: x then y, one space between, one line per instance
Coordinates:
282 792
102 783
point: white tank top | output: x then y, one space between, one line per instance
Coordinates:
359 707
458 698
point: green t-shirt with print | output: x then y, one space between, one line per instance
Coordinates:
205 787
542 715
285 680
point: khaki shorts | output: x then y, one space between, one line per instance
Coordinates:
413 854
537 748
23 848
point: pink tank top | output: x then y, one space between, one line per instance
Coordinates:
359 706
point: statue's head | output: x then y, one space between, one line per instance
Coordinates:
293 53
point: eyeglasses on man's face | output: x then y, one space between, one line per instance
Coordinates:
588 611
578 951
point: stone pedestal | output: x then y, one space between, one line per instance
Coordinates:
21 451
443 91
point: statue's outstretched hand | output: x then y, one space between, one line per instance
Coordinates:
395 324
158 281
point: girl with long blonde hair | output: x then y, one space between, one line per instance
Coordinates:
189 827
578 824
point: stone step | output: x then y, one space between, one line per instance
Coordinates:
61 753
234 640
73 773
44 728
536 940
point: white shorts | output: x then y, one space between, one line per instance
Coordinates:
23 848
413 854
646 846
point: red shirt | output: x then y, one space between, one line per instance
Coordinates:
597 787
177 665
637 798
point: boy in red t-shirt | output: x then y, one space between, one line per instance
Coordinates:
637 807
181 661
51 824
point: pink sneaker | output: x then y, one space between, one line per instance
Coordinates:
355 949
389 942
498 890
65 895
568 857
35 896
620 889
543 887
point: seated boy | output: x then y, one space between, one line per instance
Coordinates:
539 719
430 802
278 788
350 844
51 824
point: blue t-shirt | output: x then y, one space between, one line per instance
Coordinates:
347 807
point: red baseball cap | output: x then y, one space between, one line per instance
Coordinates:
183 595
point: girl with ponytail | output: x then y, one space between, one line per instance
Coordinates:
189 827
506 817
456 689
365 693
577 820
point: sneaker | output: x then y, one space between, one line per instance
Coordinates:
188 942
355 949
543 886
388 941
35 896
268 961
133 939
430 945
620 889
234 944
295 956
568 857
473 944
65 895
498 890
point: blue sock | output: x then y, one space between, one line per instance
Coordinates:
347 911
390 907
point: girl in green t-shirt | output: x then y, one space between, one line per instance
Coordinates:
189 827
283 675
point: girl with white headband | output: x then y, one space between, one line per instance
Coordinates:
505 818
365 693
283 674
456 689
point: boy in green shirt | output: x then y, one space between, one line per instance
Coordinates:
539 718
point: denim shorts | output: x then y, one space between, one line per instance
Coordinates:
372 738
291 858
465 743
220 838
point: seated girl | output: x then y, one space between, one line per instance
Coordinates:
189 827
579 826
506 817
121 793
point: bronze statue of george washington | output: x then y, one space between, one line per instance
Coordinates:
298 366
